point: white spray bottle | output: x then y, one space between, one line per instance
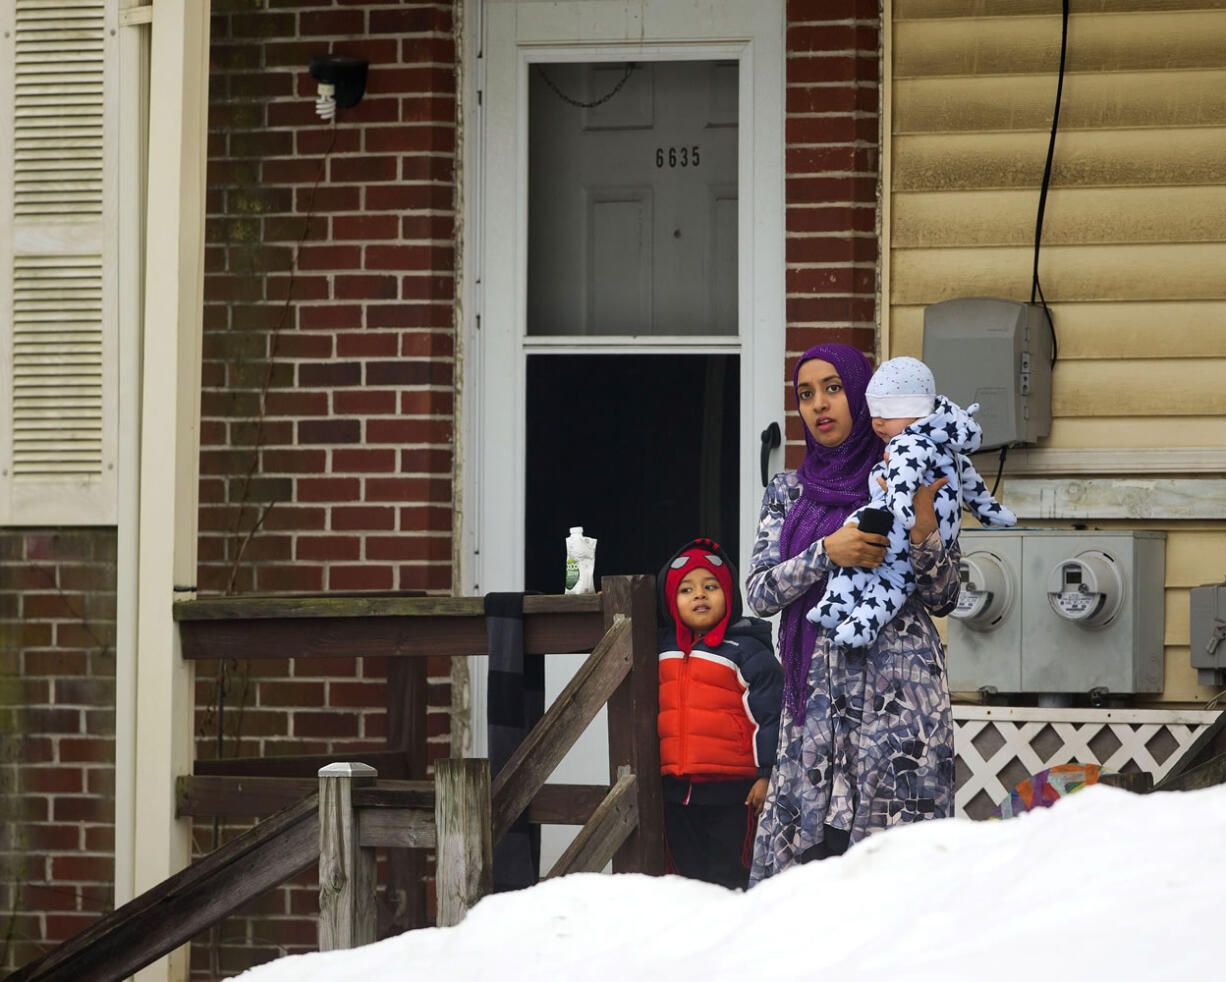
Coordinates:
580 562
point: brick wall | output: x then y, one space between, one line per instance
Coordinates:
57 724
327 411
832 164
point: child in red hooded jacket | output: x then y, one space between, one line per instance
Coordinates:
720 693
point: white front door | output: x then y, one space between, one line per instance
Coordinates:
624 282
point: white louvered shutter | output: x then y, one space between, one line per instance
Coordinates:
58 250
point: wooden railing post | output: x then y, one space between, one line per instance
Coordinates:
346 870
465 850
633 737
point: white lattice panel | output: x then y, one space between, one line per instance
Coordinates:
998 747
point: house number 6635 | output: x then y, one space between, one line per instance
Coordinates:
677 156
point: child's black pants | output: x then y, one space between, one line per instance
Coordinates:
707 839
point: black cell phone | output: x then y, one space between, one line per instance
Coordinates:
876 520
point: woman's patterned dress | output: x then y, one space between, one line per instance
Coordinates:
876 746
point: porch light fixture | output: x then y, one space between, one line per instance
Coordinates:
342 82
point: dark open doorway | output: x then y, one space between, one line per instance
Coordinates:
641 450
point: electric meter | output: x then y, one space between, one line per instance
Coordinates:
987 591
1087 589
1078 609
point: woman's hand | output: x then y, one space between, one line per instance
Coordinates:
925 512
848 546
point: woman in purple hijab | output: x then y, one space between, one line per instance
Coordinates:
866 737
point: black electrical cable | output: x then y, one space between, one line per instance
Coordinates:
1000 468
1035 287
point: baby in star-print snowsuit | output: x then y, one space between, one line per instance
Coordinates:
928 438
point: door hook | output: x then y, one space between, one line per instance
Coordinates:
770 440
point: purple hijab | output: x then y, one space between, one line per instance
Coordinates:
834 482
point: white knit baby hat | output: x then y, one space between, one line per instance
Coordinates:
901 388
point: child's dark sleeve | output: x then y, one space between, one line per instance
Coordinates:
764 676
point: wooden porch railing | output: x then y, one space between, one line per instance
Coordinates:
191 901
338 812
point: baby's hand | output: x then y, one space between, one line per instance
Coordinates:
757 796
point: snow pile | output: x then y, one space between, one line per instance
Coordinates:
1104 885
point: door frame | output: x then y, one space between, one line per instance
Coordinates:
502 38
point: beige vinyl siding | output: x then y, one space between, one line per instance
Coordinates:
1133 261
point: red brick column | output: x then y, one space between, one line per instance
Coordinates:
833 162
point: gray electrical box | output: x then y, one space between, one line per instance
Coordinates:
1060 611
996 353
1207 633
